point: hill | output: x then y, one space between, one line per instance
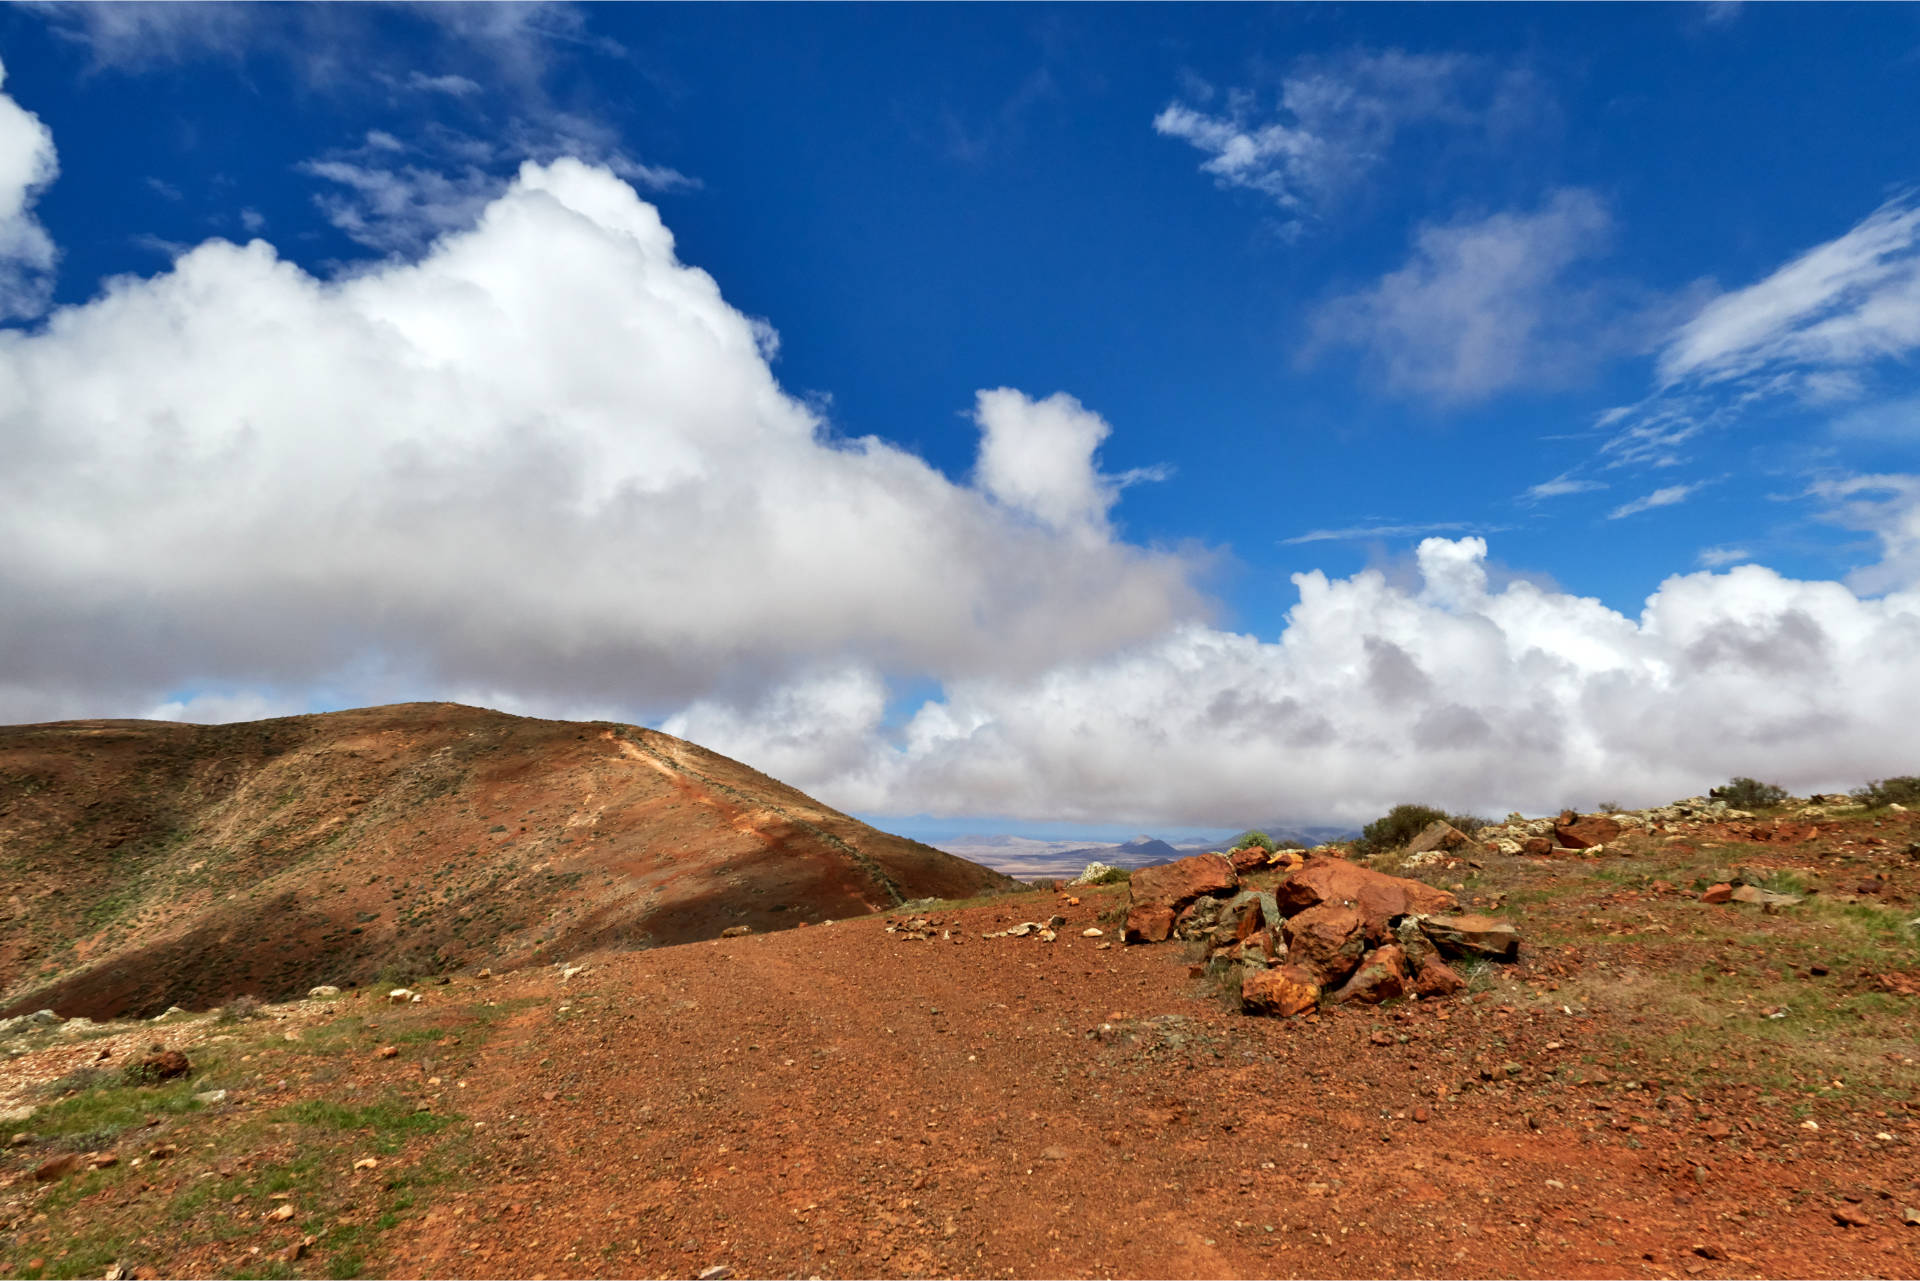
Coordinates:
152 863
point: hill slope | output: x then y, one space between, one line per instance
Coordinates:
151 863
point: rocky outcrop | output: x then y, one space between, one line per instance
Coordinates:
1329 930
1470 936
1378 898
1328 941
1179 883
1578 832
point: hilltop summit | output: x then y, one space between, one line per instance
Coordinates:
154 863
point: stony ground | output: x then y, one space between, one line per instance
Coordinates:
1662 1087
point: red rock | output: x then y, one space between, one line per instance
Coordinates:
1260 940
1423 1115
1721 893
1327 941
1436 978
1252 921
1472 935
1848 1217
1538 846
1442 835
163 1066
1248 857
1284 991
1148 923
389 1051
1381 977
1179 883
1585 833
58 1167
1378 897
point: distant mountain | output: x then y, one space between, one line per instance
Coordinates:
1141 851
1032 859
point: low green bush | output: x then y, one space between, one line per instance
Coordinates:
1750 794
1404 822
1882 792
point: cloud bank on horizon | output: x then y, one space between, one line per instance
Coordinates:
533 459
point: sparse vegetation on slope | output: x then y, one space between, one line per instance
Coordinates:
161 864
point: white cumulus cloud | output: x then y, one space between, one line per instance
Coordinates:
546 459
27 254
1444 692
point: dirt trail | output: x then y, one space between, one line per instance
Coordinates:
834 1101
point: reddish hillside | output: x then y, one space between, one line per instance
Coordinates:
151 863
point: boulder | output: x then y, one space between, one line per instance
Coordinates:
1248 857
1720 893
1381 977
1327 941
59 1167
1538 846
1257 946
1434 977
1199 919
1148 923
1444 837
1379 898
325 992
1472 936
1179 883
1285 991
1590 832
28 1022
1251 910
164 1066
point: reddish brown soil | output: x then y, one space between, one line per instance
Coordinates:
838 1102
148 864
1659 1088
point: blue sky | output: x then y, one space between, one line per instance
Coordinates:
768 439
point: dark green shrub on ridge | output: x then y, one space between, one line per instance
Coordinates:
1750 794
1882 792
1404 822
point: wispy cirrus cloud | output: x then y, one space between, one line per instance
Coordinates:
1888 507
1817 331
1668 496
1360 533
1333 121
1561 486
1485 304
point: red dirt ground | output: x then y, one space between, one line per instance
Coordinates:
1005 1107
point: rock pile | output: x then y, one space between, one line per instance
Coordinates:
1329 929
922 929
1575 835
